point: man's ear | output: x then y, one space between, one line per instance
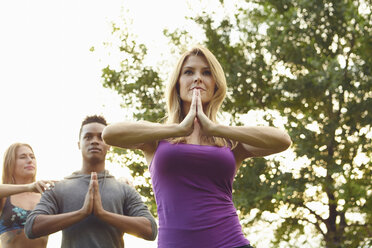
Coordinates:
78 145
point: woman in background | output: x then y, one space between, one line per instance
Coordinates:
193 160
19 194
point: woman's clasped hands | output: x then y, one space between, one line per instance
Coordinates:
196 118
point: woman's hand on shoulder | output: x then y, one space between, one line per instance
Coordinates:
41 186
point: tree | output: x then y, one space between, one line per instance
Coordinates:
311 61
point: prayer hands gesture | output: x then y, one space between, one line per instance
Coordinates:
92 202
196 119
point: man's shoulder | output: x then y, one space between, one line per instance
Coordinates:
125 181
68 182
121 183
126 187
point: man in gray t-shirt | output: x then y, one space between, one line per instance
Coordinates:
91 207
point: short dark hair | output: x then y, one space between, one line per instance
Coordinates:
91 119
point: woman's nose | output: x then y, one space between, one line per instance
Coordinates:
197 78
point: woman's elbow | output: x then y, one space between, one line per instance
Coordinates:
108 135
286 142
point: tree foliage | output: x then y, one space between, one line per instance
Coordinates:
311 61
141 90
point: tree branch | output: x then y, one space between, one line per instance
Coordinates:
318 217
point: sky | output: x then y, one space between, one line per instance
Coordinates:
50 80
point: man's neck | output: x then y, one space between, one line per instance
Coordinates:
87 167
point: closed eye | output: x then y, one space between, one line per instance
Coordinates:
207 73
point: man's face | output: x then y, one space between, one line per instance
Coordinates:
91 144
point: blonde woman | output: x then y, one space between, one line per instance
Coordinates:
19 193
193 160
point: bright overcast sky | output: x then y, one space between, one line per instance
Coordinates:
49 80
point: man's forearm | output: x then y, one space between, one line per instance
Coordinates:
47 224
138 226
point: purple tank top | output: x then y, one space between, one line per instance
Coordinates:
193 192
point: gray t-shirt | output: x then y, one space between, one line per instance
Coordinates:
69 194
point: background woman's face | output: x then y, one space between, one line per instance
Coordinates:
25 163
196 73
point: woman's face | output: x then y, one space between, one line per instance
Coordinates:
196 74
25 164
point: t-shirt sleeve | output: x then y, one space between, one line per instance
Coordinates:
134 206
47 205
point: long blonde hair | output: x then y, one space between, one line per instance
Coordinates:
174 101
10 157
